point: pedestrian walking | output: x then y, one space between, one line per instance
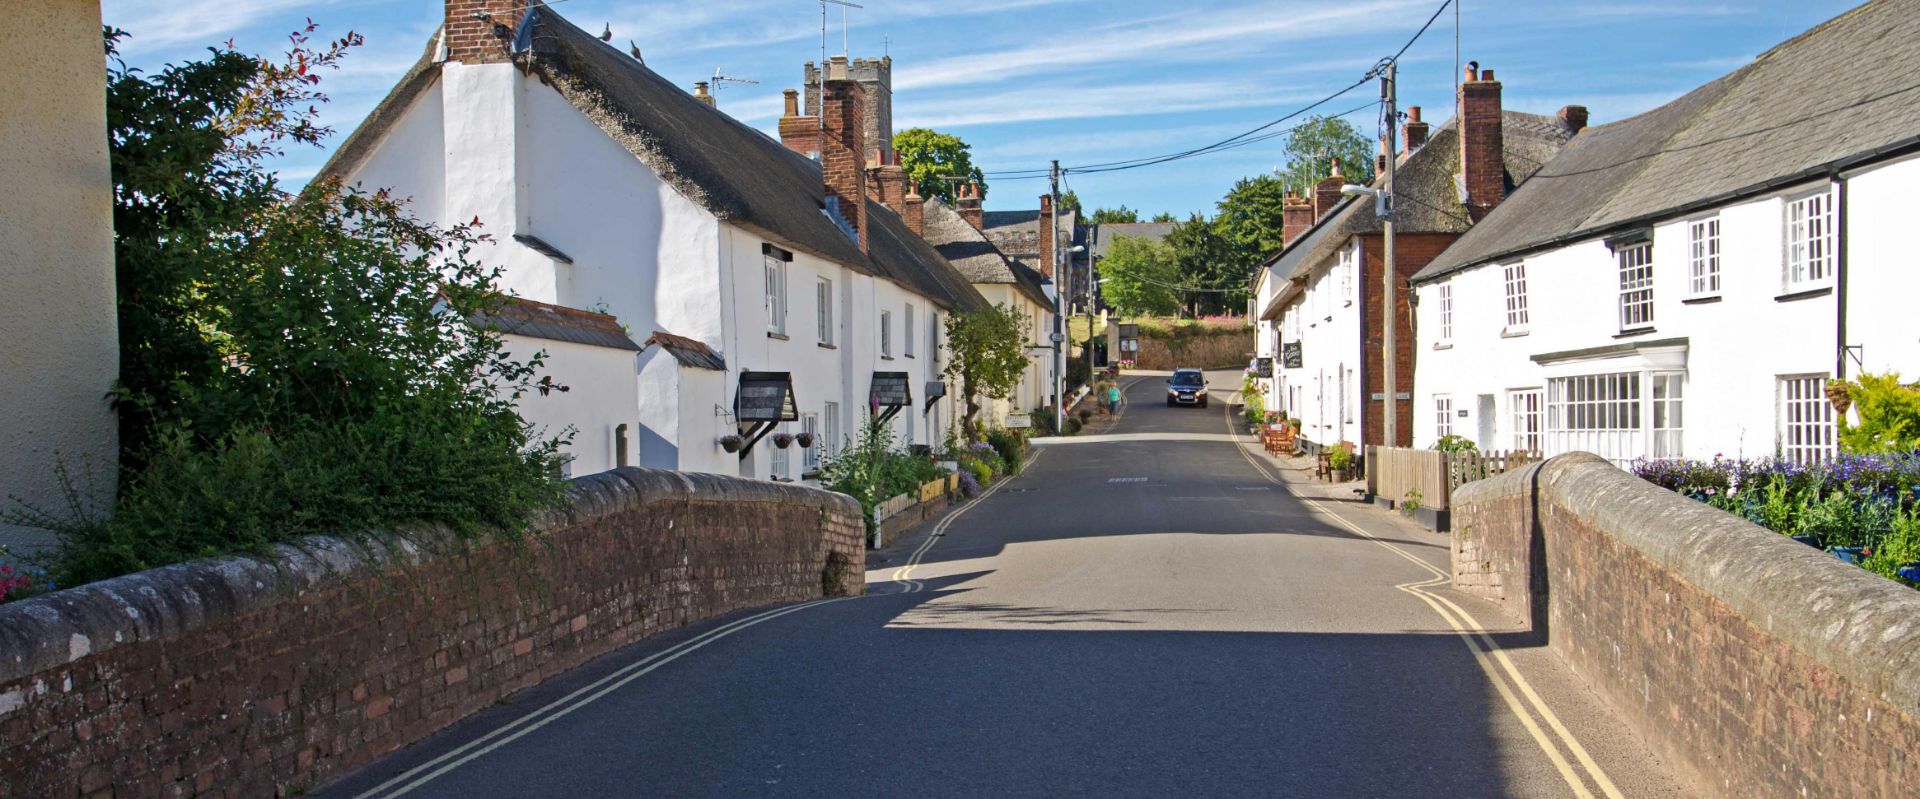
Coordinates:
1113 398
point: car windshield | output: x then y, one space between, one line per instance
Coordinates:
1188 379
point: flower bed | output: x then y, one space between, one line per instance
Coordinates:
1863 508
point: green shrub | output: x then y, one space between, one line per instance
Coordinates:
1339 458
1899 547
1455 445
1012 447
1889 416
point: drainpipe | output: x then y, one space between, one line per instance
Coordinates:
1840 276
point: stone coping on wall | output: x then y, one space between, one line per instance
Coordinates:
1864 627
45 632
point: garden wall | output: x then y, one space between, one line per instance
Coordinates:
1757 665
244 676
1205 351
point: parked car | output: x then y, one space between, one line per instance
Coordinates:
1187 387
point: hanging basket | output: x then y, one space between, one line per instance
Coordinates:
1840 395
782 440
805 439
732 443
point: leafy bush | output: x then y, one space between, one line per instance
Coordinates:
872 470
1011 446
1256 410
1339 458
1455 445
1078 374
969 483
1889 416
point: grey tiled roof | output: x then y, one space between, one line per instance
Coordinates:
523 317
1840 93
689 352
975 256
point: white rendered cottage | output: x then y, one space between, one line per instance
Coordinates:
1002 280
1683 282
735 259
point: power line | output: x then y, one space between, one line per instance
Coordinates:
1095 169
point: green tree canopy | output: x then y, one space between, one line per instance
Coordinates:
1312 147
1250 218
1209 263
1141 277
1070 203
929 156
1108 216
1164 216
989 349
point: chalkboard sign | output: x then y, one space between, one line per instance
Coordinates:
1263 367
892 389
1290 356
765 397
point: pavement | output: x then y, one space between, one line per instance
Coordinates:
1149 611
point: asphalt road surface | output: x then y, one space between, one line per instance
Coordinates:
1145 613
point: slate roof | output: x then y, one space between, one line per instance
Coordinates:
1839 94
523 317
689 352
1103 234
735 172
971 252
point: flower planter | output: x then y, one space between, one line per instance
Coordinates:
1339 475
1851 555
1808 540
931 489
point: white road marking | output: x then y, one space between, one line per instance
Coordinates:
1126 479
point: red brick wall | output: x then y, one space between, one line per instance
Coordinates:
240 678
1757 666
1482 159
476 41
1411 253
843 159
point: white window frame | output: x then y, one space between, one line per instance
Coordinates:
810 461
830 435
1348 256
1600 413
1442 416
1806 430
1445 290
776 273
1527 407
1809 248
1668 419
906 331
886 334
1636 286
1514 277
1703 257
823 304
782 460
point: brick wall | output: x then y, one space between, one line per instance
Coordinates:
472 40
843 160
1411 253
243 677
1758 666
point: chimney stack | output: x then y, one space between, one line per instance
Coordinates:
700 93
1482 156
1047 234
891 180
843 153
1575 116
1380 159
800 134
968 204
1296 215
1326 193
913 209
1415 133
481 31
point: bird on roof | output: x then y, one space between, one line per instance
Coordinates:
634 50
607 35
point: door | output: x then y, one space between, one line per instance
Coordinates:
1485 410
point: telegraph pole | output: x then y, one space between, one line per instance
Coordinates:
1059 296
1390 435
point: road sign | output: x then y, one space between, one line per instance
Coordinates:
1019 421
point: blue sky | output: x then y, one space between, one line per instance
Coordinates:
1026 81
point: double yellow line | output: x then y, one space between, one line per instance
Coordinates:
1493 661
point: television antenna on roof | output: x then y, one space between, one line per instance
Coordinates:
844 5
721 79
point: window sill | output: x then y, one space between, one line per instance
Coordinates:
909 355
826 346
1439 346
780 336
1636 332
1514 333
1804 294
1706 300
886 357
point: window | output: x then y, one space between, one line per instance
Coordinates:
886 334
1442 415
933 338
1529 421
1703 256
1806 419
1667 419
1810 251
1516 277
1636 286
810 424
1595 413
776 293
782 462
1446 313
823 302
1347 256
906 330
829 443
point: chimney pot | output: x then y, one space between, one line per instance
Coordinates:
1296 215
968 204
914 209
792 99
1326 193
1575 116
1415 133
1486 74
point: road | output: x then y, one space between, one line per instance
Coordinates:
1145 613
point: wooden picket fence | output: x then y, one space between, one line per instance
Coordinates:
1428 477
1466 467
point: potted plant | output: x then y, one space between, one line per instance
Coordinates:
782 440
732 442
1840 395
805 439
1338 461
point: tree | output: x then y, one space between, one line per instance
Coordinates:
1164 216
929 156
1070 203
1889 415
1108 216
1207 261
1141 277
1312 147
1250 218
989 349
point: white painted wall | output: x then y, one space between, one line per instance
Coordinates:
57 315
602 395
1737 345
1325 317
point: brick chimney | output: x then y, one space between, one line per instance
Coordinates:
1326 193
968 204
891 180
1380 159
1415 132
913 209
800 134
700 93
1575 116
1046 232
1296 215
1482 161
843 153
481 31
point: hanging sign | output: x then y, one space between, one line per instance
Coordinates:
1290 356
935 390
765 397
1263 367
891 389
